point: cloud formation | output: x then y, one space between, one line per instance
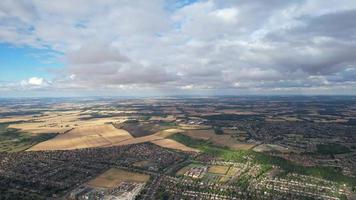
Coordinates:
33 81
236 46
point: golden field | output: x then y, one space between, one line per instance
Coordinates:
104 136
56 122
159 139
171 144
114 177
78 129
218 169
84 137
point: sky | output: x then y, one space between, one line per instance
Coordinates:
177 47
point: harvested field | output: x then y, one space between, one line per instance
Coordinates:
85 137
203 134
137 140
218 169
104 136
56 122
114 177
16 119
219 140
159 139
171 144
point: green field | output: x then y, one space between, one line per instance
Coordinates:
172 124
13 140
265 160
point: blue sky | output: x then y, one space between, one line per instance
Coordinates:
168 47
19 62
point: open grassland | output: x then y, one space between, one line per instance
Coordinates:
168 132
85 137
219 140
114 177
13 140
266 161
169 118
271 148
193 126
203 134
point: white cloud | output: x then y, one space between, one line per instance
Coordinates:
35 82
214 44
228 15
72 76
187 87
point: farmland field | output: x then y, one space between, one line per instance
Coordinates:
105 136
218 169
85 137
171 144
159 139
56 121
139 129
13 140
219 140
114 177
